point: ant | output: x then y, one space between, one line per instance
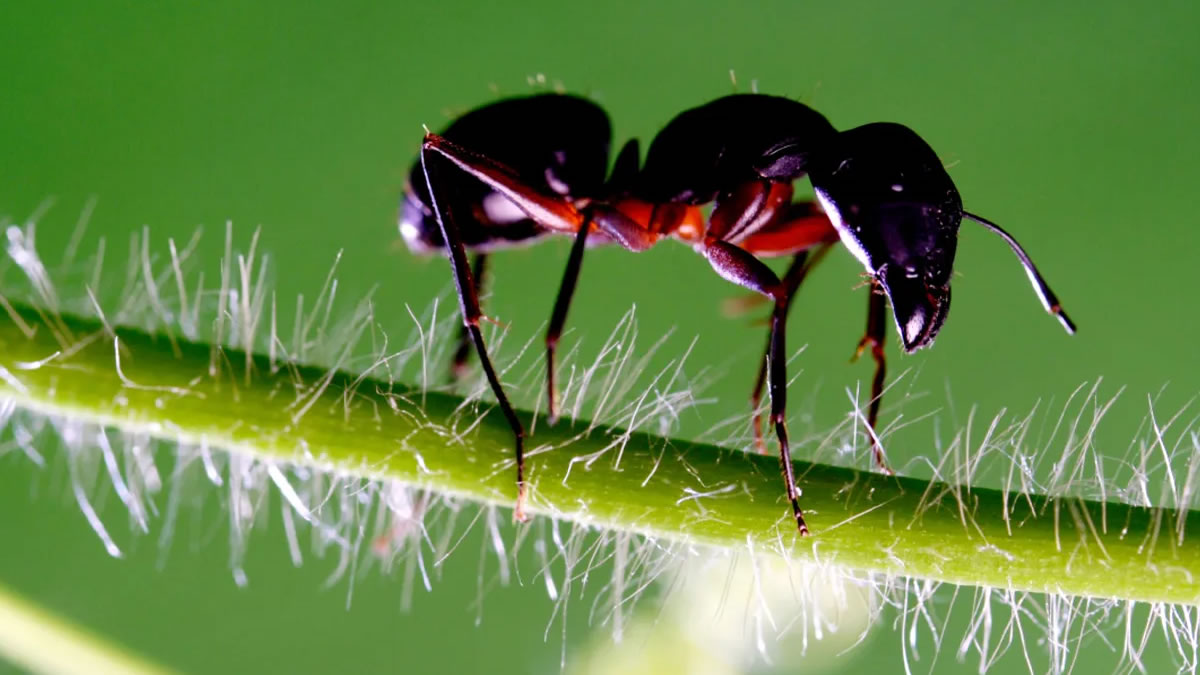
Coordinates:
522 168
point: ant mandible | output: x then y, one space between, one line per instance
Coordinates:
526 167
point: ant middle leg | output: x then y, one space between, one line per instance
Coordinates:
561 304
874 338
623 230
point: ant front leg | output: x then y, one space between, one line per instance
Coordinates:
803 227
468 301
796 271
738 266
458 367
874 338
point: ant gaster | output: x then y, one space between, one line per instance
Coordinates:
520 168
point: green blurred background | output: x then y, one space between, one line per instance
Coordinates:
1072 125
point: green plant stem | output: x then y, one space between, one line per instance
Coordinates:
661 487
32 638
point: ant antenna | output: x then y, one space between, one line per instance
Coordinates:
1049 300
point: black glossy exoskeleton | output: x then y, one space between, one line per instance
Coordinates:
517 169
897 210
555 143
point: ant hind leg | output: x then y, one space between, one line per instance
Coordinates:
468 300
462 353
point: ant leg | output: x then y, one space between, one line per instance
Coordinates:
468 302
804 227
550 211
738 266
748 208
561 304
458 367
796 271
874 338
799 227
623 230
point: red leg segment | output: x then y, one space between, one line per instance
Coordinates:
802 226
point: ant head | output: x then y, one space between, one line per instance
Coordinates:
898 212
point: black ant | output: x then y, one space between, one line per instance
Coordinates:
522 168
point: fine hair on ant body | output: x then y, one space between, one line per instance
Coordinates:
522 168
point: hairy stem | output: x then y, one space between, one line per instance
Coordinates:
194 393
